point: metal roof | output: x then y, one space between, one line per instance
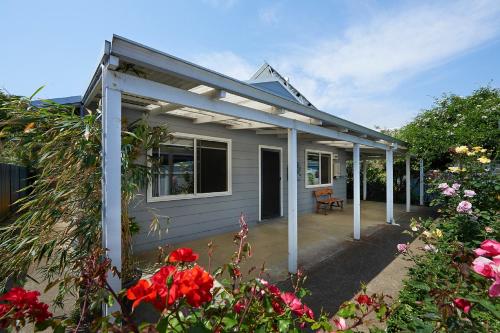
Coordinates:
70 100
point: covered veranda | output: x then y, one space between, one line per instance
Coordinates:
135 76
319 237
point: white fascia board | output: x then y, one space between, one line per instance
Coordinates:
156 60
146 88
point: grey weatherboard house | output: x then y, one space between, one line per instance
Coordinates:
257 147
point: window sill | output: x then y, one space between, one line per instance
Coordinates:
319 185
188 196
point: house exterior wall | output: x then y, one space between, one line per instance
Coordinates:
199 217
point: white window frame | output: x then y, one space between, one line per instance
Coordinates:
196 137
305 168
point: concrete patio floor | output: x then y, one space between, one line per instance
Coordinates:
319 237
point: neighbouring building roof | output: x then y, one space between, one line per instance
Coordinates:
71 100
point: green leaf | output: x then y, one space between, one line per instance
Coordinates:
420 285
36 92
488 305
43 325
261 329
347 311
199 328
162 325
283 325
229 322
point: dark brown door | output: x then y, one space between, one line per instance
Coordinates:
270 184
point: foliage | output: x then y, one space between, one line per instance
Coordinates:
187 298
376 180
444 291
451 121
59 222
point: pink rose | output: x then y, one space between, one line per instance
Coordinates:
430 248
488 248
455 186
494 290
449 191
442 186
464 207
484 267
340 323
402 248
469 193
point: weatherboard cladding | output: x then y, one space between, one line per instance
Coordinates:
196 218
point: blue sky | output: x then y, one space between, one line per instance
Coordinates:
373 62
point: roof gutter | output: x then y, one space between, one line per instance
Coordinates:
90 92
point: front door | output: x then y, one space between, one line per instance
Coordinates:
270 196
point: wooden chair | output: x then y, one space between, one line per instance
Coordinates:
324 199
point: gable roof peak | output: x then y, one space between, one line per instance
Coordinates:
266 73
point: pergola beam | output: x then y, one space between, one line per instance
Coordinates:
249 126
162 92
211 119
271 131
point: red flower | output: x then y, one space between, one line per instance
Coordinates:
195 284
274 290
294 303
277 307
239 306
166 290
21 303
142 291
159 279
462 304
157 291
364 299
183 255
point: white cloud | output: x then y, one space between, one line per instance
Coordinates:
355 74
227 63
394 46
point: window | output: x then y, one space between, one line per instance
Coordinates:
190 166
318 168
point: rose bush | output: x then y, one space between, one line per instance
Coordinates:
187 298
455 282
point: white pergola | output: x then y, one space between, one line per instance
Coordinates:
135 76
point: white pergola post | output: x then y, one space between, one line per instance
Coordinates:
356 194
111 178
389 185
408 184
421 182
292 200
365 168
